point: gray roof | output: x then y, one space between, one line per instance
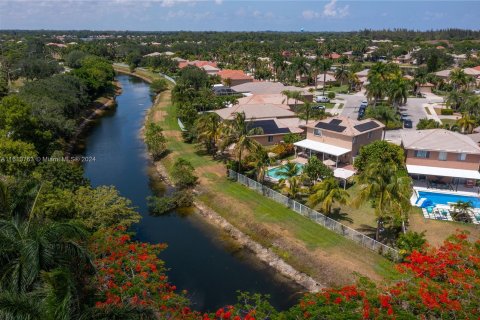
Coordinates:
439 140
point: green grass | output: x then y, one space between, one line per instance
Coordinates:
448 121
338 89
341 106
313 235
328 105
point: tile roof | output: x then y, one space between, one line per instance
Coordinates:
439 140
266 87
234 74
275 98
347 126
256 111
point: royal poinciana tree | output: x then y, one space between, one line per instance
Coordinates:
436 283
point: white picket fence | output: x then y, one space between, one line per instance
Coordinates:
316 216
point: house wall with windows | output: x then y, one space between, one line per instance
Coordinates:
268 140
443 159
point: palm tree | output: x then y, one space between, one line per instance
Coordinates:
397 91
342 74
462 210
472 105
381 184
208 129
290 170
260 162
29 247
466 123
353 81
385 114
325 65
238 131
327 193
375 92
292 187
305 111
455 99
459 78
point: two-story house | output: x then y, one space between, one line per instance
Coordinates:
441 157
338 138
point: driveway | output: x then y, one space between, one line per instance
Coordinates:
414 109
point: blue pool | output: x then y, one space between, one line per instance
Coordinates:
433 199
276 173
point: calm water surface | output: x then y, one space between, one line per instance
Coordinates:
200 259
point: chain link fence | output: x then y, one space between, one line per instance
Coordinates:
316 216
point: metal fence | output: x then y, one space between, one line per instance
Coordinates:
316 216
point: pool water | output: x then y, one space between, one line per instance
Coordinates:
276 173
442 198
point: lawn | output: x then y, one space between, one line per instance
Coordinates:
450 122
338 89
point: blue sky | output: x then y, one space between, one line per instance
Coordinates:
234 15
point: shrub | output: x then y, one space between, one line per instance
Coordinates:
291 138
159 206
159 85
331 95
155 140
446 112
183 174
283 150
315 169
183 198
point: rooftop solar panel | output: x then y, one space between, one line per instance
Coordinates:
330 126
366 126
268 126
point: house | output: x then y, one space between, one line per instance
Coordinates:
338 138
196 63
348 54
274 129
443 74
210 70
424 87
441 157
405 59
256 111
234 77
266 87
329 78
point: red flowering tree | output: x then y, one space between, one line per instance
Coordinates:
439 283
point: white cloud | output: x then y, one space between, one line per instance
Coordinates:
171 3
331 10
310 14
218 2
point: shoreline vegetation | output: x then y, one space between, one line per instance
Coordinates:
309 249
208 215
96 110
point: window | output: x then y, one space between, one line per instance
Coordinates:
370 134
462 156
317 132
422 154
270 138
442 155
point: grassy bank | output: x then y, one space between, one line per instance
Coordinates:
307 246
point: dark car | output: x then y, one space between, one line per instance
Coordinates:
361 114
407 123
319 107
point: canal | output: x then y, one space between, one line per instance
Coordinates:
199 258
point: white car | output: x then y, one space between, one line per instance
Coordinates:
477 91
322 99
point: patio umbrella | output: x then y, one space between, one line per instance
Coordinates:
329 162
271 154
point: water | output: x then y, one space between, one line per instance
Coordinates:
276 173
202 260
443 198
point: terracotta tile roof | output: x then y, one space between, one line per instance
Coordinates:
477 68
234 74
197 63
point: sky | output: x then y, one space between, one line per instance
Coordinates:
235 15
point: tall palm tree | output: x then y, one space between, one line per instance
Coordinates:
455 99
208 129
353 81
327 193
397 91
459 78
385 114
466 123
383 185
29 247
238 131
472 105
325 65
260 162
342 74
292 187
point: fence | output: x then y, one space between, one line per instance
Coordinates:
316 216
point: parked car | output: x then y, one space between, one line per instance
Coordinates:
319 107
322 99
477 91
403 116
361 114
364 103
407 123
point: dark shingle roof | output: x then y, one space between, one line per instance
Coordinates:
333 125
366 126
268 126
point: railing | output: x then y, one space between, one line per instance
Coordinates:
316 216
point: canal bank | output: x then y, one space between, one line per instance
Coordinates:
201 259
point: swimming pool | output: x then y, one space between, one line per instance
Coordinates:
433 199
276 173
